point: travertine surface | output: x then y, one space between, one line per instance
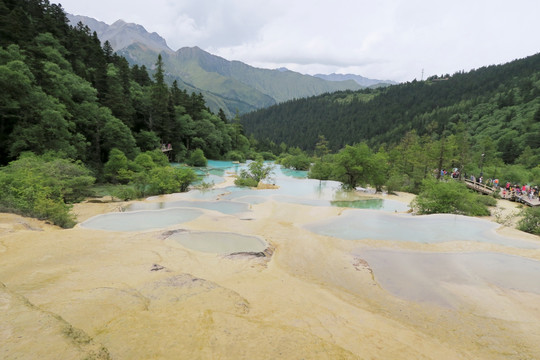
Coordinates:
81 293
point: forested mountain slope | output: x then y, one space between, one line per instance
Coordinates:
63 92
230 85
499 104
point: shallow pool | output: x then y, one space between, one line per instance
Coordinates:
223 206
219 242
428 277
366 224
141 220
372 204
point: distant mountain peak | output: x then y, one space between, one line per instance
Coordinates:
118 22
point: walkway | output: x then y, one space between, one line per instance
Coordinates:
487 190
484 189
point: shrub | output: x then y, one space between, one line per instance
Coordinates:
256 172
531 221
321 170
41 187
246 181
197 158
165 180
296 162
144 162
125 193
158 157
235 156
488 200
117 162
268 155
440 197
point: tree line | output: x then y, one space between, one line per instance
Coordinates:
498 105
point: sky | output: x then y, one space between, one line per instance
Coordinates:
399 40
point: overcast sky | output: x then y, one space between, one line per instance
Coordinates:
379 39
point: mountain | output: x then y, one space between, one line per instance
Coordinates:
122 34
497 106
360 80
230 85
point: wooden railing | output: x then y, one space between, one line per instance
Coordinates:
484 189
512 196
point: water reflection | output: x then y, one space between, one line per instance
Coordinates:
141 220
302 191
365 224
225 207
421 276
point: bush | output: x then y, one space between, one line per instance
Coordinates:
197 158
144 162
296 162
256 172
398 182
41 187
125 193
268 155
53 210
531 221
246 181
117 162
321 170
165 180
158 157
235 156
488 200
452 197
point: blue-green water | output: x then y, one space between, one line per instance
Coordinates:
367 218
225 207
376 225
141 220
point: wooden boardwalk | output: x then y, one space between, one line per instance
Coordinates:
484 189
488 190
522 199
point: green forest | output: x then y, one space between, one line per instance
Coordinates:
66 97
497 109
483 123
73 113
64 92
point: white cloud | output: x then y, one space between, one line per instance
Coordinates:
385 39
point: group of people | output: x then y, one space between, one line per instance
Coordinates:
509 191
517 191
166 147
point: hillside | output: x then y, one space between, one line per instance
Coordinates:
66 95
121 34
498 104
360 80
230 85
